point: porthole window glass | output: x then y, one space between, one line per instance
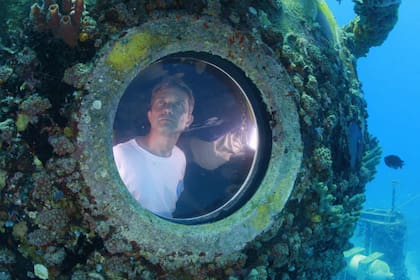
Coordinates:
191 139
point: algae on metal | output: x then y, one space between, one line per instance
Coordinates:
126 54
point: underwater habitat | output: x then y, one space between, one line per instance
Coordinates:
202 139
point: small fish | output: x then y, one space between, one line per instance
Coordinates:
394 161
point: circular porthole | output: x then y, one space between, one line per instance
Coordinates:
226 146
241 144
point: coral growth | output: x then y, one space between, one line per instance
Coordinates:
77 75
30 109
381 3
376 18
63 21
7 131
5 73
371 158
322 159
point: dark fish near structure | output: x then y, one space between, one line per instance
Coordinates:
394 161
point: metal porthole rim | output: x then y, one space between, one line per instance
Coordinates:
120 61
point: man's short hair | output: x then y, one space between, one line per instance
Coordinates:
174 82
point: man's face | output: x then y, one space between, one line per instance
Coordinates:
169 111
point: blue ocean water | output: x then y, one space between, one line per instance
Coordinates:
390 75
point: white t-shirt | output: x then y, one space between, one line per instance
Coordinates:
155 182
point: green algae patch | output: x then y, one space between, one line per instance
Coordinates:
262 217
125 54
264 212
22 122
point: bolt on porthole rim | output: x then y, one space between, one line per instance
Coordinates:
159 238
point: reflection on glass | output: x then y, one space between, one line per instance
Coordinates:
186 139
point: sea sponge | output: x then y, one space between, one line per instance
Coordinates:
63 21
